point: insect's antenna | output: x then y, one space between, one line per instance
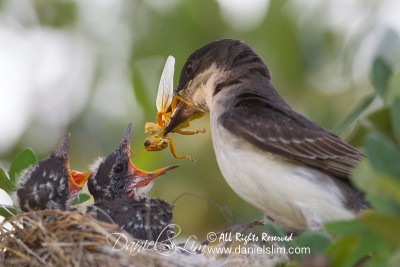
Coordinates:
138 154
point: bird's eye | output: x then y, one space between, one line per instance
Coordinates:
119 168
146 143
189 67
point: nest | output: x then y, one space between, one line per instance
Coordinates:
70 238
67 238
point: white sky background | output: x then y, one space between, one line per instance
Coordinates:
42 69
45 74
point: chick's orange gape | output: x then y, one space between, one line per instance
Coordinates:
166 103
77 179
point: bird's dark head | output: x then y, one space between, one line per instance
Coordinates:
76 180
45 184
116 175
210 69
111 175
61 152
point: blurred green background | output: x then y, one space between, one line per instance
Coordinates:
91 67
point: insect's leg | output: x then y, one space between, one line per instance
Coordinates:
173 151
167 115
189 132
183 100
174 102
139 153
160 118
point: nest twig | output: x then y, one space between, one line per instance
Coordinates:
66 238
70 238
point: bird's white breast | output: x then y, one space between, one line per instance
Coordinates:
295 196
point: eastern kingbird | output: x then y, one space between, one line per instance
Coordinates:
49 184
120 190
290 168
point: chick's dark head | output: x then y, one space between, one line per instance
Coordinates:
116 175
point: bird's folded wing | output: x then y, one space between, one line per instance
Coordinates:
284 132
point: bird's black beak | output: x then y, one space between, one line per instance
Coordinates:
181 114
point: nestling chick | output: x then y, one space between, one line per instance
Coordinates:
119 189
49 184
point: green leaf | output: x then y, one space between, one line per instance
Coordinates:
317 241
378 120
393 90
382 154
355 114
386 226
22 161
82 197
342 251
382 190
345 227
273 229
355 242
395 118
5 183
381 73
8 211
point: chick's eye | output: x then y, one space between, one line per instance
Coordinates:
119 168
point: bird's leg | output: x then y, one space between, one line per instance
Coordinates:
267 219
173 151
189 132
244 227
287 232
313 220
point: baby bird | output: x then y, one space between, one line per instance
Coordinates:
49 184
119 190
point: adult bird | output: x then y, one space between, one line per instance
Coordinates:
49 184
120 190
290 168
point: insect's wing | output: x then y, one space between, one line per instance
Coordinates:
166 86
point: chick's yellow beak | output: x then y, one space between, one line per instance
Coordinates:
77 179
145 177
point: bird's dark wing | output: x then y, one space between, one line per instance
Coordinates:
147 219
153 220
269 123
45 186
